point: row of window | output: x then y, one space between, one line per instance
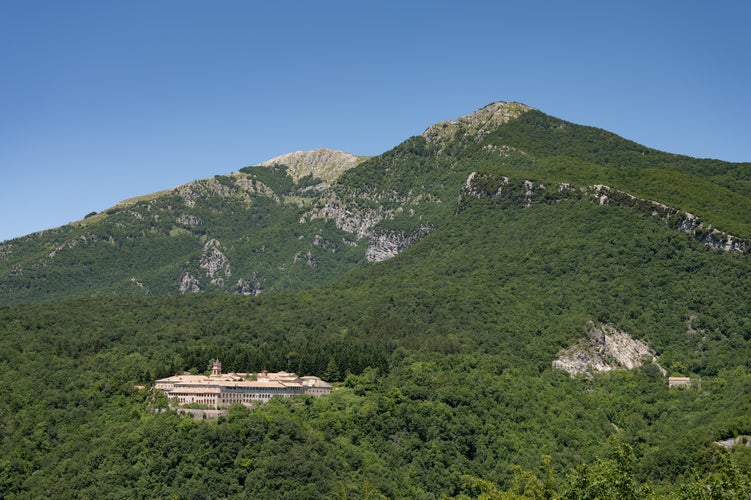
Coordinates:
226 399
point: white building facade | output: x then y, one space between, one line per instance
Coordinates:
220 390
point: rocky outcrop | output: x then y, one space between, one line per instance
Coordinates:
6 250
719 240
321 242
605 348
682 221
506 193
214 261
349 217
529 192
203 189
474 126
502 190
385 245
236 185
245 288
307 257
189 284
475 188
503 151
140 285
732 442
189 220
84 239
362 219
325 164
253 187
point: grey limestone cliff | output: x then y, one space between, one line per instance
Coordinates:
605 348
214 262
387 244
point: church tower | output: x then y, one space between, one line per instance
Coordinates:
216 369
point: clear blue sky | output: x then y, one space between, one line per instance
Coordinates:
102 101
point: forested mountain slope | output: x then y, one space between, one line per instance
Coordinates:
467 261
446 353
283 227
235 233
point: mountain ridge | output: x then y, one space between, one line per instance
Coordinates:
301 219
491 306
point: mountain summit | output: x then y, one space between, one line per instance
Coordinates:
500 301
477 124
323 163
302 219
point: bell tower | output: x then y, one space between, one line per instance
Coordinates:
216 368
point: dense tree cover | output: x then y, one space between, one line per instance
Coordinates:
553 150
444 354
77 427
717 190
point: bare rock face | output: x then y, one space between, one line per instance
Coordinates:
322 242
189 220
189 284
323 163
245 288
348 217
386 245
500 187
84 239
201 190
6 250
732 442
214 261
137 283
472 188
307 257
249 188
719 240
605 348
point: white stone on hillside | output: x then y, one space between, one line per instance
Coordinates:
605 348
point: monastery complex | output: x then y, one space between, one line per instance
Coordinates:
220 390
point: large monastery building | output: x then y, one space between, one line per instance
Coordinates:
219 389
